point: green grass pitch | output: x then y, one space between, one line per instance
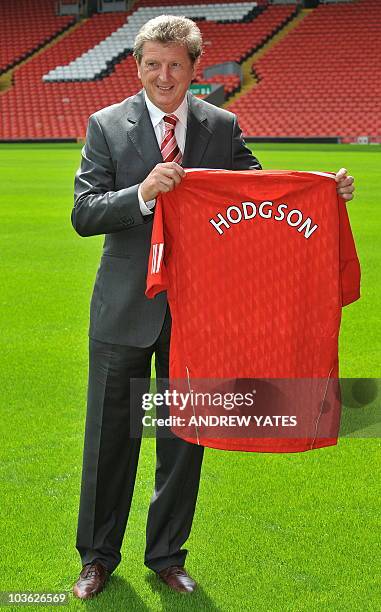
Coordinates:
296 532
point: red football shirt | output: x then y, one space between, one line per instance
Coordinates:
257 266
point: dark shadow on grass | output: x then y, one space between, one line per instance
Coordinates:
198 600
119 589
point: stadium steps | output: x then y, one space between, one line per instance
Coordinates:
6 81
250 76
6 78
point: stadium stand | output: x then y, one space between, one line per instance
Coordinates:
27 25
33 108
162 3
97 60
237 41
322 79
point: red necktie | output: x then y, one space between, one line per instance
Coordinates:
169 147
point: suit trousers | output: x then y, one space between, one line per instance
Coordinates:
110 459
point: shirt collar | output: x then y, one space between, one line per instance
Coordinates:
157 115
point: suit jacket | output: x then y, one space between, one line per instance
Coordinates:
120 151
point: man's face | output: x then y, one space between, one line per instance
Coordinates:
166 71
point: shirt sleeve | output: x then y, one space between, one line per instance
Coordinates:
157 279
350 271
145 207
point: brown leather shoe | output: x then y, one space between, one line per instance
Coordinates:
177 579
91 581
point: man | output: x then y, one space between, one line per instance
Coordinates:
135 150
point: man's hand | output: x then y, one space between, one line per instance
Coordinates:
345 184
163 178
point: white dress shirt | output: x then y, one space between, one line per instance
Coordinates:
156 116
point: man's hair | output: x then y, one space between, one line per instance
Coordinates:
169 29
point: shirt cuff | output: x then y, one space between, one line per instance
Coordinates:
145 207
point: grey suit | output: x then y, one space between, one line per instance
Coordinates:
126 328
121 149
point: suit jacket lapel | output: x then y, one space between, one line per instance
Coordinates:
141 132
198 134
